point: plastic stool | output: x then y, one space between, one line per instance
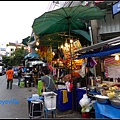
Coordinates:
53 111
40 111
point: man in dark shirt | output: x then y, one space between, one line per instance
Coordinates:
19 75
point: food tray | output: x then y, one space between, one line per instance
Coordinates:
102 99
115 102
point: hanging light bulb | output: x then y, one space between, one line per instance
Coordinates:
37 43
71 41
66 44
36 49
61 46
53 53
116 57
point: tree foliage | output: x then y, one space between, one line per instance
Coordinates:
16 57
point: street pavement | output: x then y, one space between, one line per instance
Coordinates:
19 106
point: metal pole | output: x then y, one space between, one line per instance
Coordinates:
92 44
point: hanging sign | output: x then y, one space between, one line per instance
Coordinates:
116 8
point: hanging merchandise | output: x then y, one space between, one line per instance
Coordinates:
91 62
66 51
82 70
54 71
42 51
49 55
77 45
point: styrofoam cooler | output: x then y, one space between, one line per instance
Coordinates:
50 100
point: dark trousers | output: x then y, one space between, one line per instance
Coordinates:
19 80
9 83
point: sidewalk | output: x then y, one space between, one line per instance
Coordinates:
64 114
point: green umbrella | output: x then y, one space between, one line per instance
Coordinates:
66 19
57 39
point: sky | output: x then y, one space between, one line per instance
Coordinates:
16 18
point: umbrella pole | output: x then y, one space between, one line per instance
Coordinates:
71 62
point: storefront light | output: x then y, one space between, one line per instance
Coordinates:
116 57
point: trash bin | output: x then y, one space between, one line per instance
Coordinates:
35 107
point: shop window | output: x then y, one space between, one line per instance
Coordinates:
12 49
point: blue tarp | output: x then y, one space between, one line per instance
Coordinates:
32 55
106 111
104 52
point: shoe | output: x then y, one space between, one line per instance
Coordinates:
10 88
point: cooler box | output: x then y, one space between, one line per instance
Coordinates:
63 106
50 100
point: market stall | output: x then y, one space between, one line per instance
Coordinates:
105 90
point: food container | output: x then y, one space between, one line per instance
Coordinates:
92 89
115 102
102 99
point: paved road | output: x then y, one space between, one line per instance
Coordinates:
14 110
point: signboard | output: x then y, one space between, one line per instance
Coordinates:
116 8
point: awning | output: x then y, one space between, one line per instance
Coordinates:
104 52
30 55
26 40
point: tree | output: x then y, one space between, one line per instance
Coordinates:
16 57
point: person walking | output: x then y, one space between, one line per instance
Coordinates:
47 81
9 76
19 75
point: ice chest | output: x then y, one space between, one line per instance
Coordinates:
50 100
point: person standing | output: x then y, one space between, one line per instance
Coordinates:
9 76
19 75
47 81
35 75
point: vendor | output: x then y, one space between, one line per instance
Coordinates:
47 81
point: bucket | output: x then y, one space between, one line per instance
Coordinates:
86 115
